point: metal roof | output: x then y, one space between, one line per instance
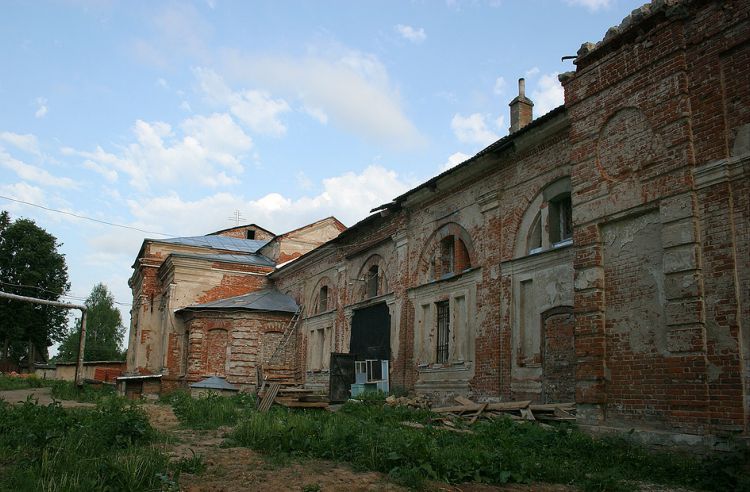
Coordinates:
216 383
216 242
261 300
252 259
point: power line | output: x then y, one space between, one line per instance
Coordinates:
86 218
70 296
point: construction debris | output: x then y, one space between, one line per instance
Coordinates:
290 397
413 402
471 411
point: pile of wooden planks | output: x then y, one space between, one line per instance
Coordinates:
414 402
517 410
289 396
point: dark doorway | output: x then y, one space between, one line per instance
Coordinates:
559 355
371 333
342 377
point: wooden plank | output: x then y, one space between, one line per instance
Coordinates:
463 400
458 409
527 414
550 407
268 398
509 405
301 404
476 415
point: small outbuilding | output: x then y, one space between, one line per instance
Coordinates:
213 384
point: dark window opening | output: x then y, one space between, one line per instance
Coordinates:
323 299
373 276
447 256
443 331
560 219
249 234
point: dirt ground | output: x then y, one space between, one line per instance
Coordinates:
242 469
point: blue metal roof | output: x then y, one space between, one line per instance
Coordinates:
261 300
216 383
253 259
217 242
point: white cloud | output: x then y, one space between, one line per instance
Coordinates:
254 108
162 83
548 94
317 114
185 106
26 142
349 197
32 173
351 88
41 110
454 160
25 192
206 148
472 129
500 86
532 72
108 173
592 5
412 34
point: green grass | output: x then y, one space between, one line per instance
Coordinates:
209 411
15 383
61 390
66 390
109 447
370 437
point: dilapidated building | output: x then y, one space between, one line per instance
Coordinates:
600 253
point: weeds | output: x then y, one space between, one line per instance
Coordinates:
66 390
193 464
105 448
14 383
209 411
501 451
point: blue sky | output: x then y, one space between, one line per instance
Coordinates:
170 116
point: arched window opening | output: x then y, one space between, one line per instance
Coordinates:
560 219
535 236
323 299
373 278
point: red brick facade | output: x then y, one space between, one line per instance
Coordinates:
601 252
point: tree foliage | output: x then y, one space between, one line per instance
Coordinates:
104 330
30 265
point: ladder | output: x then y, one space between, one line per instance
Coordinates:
289 331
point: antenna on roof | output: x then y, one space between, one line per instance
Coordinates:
236 217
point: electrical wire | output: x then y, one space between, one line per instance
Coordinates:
86 218
69 296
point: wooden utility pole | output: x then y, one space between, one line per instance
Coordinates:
82 340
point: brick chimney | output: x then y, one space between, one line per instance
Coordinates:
521 109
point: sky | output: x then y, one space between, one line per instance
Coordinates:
171 118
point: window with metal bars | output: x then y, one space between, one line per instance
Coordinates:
443 331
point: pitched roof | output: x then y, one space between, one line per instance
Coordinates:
241 227
252 259
216 242
261 300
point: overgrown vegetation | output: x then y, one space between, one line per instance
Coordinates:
105 448
370 437
66 390
61 390
14 383
209 411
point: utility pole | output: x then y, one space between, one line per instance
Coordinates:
82 339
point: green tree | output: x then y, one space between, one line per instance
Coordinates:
104 330
30 265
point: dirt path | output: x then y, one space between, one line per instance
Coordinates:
229 469
41 395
